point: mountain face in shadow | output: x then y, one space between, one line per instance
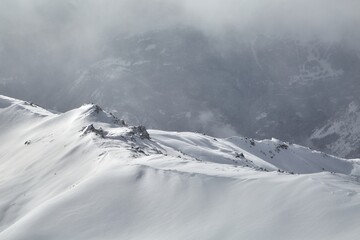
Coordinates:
181 79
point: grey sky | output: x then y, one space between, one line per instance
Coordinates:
88 19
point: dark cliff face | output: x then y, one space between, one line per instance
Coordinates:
181 79
260 86
340 134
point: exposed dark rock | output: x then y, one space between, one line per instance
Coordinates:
239 155
139 131
281 146
91 129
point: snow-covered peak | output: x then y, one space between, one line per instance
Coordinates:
93 112
7 103
99 178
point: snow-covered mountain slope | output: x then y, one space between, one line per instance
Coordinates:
341 134
85 174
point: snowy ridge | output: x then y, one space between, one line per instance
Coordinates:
268 155
86 174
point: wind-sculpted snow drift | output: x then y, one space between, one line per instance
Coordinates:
85 174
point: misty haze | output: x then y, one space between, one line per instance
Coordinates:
147 119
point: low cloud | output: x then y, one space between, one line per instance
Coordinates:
213 123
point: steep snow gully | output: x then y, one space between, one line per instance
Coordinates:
85 174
